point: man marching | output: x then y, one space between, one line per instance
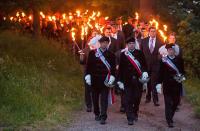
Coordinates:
100 72
132 74
171 75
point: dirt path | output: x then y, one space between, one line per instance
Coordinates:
151 118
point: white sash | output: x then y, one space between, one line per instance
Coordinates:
134 62
105 62
170 64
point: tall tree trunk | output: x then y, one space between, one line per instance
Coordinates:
36 22
147 8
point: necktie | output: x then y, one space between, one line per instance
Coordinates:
151 45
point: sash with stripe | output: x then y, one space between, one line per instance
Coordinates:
134 62
99 55
167 61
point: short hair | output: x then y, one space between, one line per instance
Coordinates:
106 28
152 27
172 34
104 39
143 28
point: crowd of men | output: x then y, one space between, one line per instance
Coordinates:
127 59
122 59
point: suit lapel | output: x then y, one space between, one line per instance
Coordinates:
147 46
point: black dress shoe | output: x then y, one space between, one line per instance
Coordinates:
102 122
130 122
89 109
122 109
170 125
147 101
97 118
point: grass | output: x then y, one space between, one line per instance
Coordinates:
193 93
38 82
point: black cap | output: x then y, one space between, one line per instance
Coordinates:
168 46
130 40
104 39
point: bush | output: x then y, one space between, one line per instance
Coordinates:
38 82
190 43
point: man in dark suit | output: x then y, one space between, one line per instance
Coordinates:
100 72
128 78
113 44
128 29
119 36
171 76
150 47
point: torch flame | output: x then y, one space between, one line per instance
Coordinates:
42 14
53 18
106 18
17 14
136 16
73 34
23 14
98 14
11 18
163 35
64 16
30 17
154 22
78 12
165 27
82 32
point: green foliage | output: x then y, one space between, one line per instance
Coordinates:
38 82
192 88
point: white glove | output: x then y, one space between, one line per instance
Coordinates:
88 79
111 80
144 78
121 85
145 75
159 88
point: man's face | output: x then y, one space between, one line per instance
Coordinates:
131 46
119 22
172 39
114 29
171 52
152 33
130 21
107 32
94 33
143 33
104 44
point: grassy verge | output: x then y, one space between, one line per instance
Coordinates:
193 93
38 82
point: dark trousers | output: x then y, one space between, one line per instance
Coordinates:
123 99
171 103
133 94
100 93
151 87
88 96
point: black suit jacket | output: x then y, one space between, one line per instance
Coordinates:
152 59
126 69
120 40
113 47
97 69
